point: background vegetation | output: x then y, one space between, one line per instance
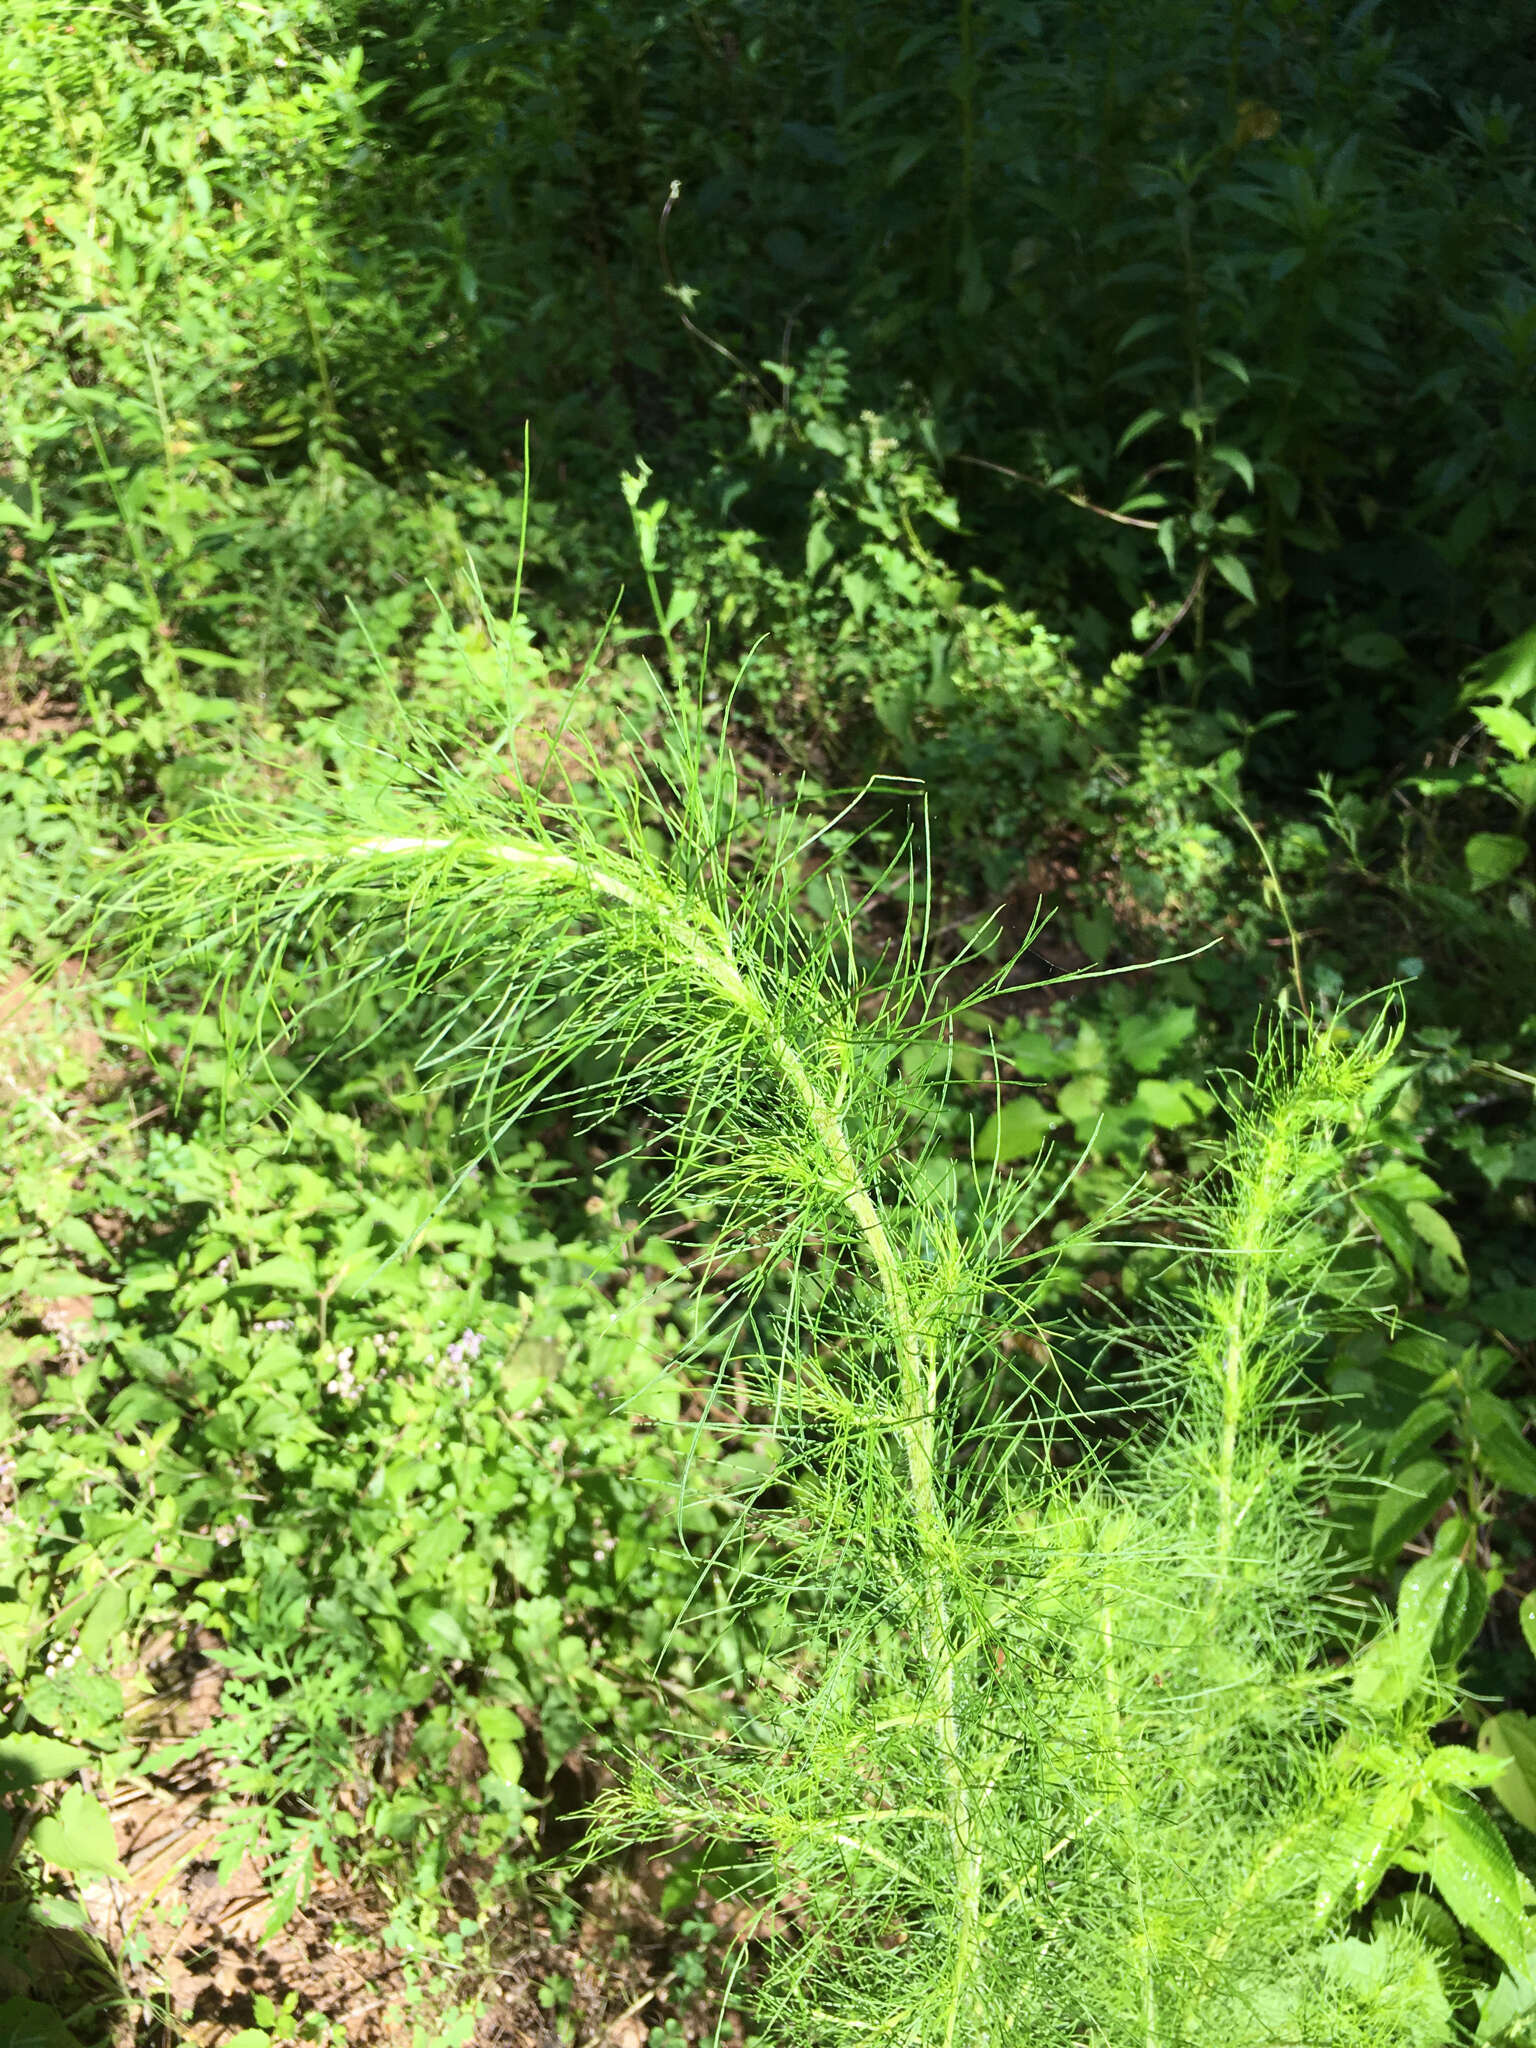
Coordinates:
1115 422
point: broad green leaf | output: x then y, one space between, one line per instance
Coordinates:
1470 1865
1502 1449
1430 1589
1509 1310
1233 570
1431 1226
283 1271
1015 1131
1492 857
1510 674
1413 1437
1171 1104
1234 458
1506 2009
1519 778
502 1732
1386 1216
442 1632
1512 729
1410 1498
35 1759
1527 1614
78 1838
26 2024
1465 1611
1373 650
106 1620
1148 1037
1513 1737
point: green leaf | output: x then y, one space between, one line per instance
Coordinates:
442 1632
502 1732
1171 1104
1409 1500
1373 650
1471 1867
283 1272
1431 1226
1233 570
819 549
1386 1217
1511 2001
1235 459
1492 857
1148 1038
1502 1449
1509 1310
1511 672
26 2024
35 1759
1513 1737
1016 1131
1433 1604
1512 729
1142 423
1412 1437
78 1838
1527 1616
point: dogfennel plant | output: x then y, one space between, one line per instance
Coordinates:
1074 1741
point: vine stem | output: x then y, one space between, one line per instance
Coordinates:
704 942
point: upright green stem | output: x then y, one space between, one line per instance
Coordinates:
704 942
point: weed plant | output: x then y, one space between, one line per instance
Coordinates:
1079 1738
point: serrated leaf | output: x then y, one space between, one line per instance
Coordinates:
1233 570
1235 459
1147 1039
1471 1867
1427 1590
1511 728
1513 1737
1511 672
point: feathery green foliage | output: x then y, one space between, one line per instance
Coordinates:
1074 1745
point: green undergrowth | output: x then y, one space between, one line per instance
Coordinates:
1071 1735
